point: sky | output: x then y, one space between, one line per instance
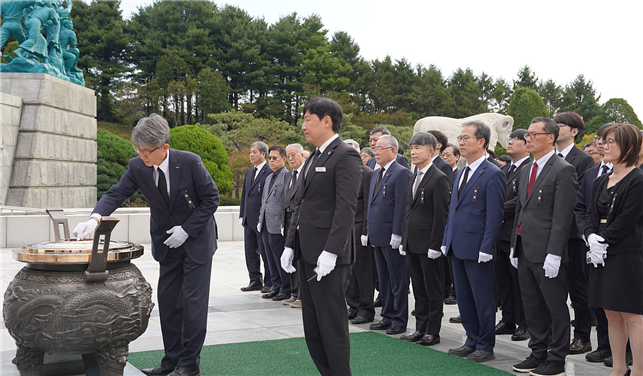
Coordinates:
558 39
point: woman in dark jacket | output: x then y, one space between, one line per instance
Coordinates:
614 229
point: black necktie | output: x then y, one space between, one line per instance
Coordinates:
464 181
511 170
163 186
561 155
311 165
293 181
254 172
272 181
379 177
605 169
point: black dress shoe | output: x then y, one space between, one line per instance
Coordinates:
481 356
266 289
180 371
429 340
462 351
504 328
598 355
270 295
281 296
160 370
456 320
379 326
413 337
351 315
521 334
450 300
360 320
253 286
579 346
378 303
609 361
395 329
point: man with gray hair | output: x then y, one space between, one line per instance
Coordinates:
384 227
374 136
183 198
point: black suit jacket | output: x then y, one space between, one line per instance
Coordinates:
425 214
289 202
513 183
251 196
493 161
361 210
624 228
581 162
187 174
443 166
584 197
326 201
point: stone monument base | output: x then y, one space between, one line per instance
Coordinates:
55 154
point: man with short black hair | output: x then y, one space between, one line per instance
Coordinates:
442 142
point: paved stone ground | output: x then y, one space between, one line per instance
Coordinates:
237 316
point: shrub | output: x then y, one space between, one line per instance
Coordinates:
215 158
113 158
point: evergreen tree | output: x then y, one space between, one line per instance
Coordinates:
524 105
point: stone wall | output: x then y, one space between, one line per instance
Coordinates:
10 110
55 156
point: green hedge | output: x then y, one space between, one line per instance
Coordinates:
113 158
215 158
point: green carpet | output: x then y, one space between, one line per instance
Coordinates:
371 354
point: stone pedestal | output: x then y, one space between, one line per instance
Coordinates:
55 155
10 110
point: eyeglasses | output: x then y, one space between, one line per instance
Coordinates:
513 139
378 149
532 135
447 155
609 143
272 158
290 156
146 153
463 138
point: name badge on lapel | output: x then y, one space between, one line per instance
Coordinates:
320 169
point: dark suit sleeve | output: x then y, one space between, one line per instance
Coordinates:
208 195
580 209
564 201
441 198
496 190
401 186
365 194
121 191
586 162
243 196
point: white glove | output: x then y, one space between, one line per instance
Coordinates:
177 238
364 239
259 227
84 229
240 221
433 254
484 257
325 264
282 231
401 249
597 250
443 249
286 260
514 260
551 265
395 241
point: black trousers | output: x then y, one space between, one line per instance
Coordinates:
255 251
545 302
427 276
183 295
325 318
508 287
578 289
449 286
361 286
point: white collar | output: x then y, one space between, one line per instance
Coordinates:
165 165
566 150
474 166
325 144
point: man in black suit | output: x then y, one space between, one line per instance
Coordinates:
183 198
440 163
571 127
361 287
513 312
249 208
295 157
321 236
425 215
544 212
451 155
375 135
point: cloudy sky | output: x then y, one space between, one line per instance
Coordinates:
557 39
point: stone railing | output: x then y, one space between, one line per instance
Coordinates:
23 226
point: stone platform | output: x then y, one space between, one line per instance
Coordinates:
54 160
